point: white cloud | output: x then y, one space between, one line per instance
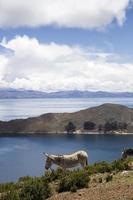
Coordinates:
63 13
52 67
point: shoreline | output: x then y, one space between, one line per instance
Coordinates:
59 133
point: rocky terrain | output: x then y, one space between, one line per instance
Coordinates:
56 122
120 188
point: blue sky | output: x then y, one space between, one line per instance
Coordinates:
113 38
85 41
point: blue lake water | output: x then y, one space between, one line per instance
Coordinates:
21 156
23 108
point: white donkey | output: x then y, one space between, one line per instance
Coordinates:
68 160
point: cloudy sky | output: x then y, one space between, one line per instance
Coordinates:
53 45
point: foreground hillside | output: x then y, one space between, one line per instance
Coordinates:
62 122
100 181
120 188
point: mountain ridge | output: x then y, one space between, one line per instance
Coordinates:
18 94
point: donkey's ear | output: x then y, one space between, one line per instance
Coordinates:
124 149
46 154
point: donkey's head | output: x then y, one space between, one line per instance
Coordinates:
49 161
123 154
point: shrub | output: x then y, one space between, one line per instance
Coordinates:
10 195
73 181
35 189
120 165
73 189
70 127
89 125
7 186
114 125
102 167
54 175
24 179
99 167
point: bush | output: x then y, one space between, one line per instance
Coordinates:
102 167
24 179
10 195
120 165
99 167
35 189
114 125
5 187
73 189
89 125
70 127
54 175
73 181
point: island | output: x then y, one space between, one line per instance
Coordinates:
106 118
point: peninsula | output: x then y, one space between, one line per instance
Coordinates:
106 118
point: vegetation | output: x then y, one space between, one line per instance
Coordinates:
39 188
113 126
11 195
70 127
89 125
99 167
7 186
35 189
73 181
27 189
109 126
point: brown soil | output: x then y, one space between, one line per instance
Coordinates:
120 188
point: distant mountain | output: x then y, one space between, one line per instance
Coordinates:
18 94
56 122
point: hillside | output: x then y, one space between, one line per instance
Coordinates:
120 188
98 181
56 122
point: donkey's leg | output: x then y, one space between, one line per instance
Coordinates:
84 163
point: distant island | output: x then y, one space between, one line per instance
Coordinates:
106 118
19 94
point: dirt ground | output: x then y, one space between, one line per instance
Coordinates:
120 188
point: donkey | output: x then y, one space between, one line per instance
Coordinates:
127 153
67 161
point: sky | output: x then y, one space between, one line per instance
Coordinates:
55 45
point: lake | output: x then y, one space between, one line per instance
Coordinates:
21 156
23 108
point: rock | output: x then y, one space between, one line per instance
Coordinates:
130 165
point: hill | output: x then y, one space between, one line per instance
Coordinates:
56 122
18 94
98 181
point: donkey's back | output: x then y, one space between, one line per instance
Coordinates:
76 154
73 159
